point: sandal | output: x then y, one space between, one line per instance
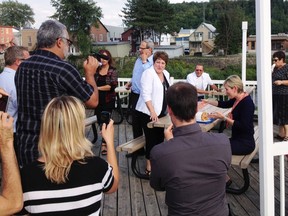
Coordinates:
148 172
104 149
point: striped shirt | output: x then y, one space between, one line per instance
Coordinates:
80 195
38 80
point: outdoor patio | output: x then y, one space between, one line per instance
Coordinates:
136 197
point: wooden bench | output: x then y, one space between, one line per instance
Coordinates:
133 148
243 162
92 120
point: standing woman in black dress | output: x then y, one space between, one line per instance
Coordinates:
280 95
106 78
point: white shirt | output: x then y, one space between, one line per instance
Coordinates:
8 84
199 82
151 90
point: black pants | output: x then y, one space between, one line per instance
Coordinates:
136 123
153 136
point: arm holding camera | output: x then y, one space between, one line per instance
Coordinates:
11 199
108 135
2 92
90 65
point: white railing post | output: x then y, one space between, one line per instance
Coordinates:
244 50
264 92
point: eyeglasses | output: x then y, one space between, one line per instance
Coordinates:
69 42
275 59
142 48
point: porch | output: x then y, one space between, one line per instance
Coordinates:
136 197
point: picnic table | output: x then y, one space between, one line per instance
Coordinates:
202 107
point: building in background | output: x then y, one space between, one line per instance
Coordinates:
278 42
29 38
182 39
100 33
202 39
6 37
114 33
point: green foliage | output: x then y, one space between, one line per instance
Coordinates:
78 16
228 24
149 16
16 14
178 68
84 42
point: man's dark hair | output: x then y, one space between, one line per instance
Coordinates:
182 99
280 55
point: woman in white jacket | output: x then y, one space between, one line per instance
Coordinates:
152 102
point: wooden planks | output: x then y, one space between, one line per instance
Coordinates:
136 197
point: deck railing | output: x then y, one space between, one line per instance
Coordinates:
219 83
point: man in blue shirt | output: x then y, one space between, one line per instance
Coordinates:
13 57
143 62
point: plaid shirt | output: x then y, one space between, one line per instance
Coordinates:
110 79
38 80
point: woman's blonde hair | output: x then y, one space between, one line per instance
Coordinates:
62 137
233 81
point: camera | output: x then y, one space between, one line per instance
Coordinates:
105 117
99 56
4 103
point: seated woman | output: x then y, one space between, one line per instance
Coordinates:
240 119
68 179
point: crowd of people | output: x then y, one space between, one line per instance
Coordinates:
42 135
47 97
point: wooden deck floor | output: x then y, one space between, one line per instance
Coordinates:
136 197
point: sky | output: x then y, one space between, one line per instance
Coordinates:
110 10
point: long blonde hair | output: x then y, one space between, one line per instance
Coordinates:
62 137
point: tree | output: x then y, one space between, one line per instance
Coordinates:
149 16
229 26
15 14
78 16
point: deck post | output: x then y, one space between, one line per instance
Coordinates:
263 51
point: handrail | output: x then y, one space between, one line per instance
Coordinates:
219 83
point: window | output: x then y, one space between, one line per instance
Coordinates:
92 37
210 35
253 45
29 40
100 37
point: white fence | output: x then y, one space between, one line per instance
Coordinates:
219 83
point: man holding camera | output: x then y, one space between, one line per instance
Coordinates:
44 76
